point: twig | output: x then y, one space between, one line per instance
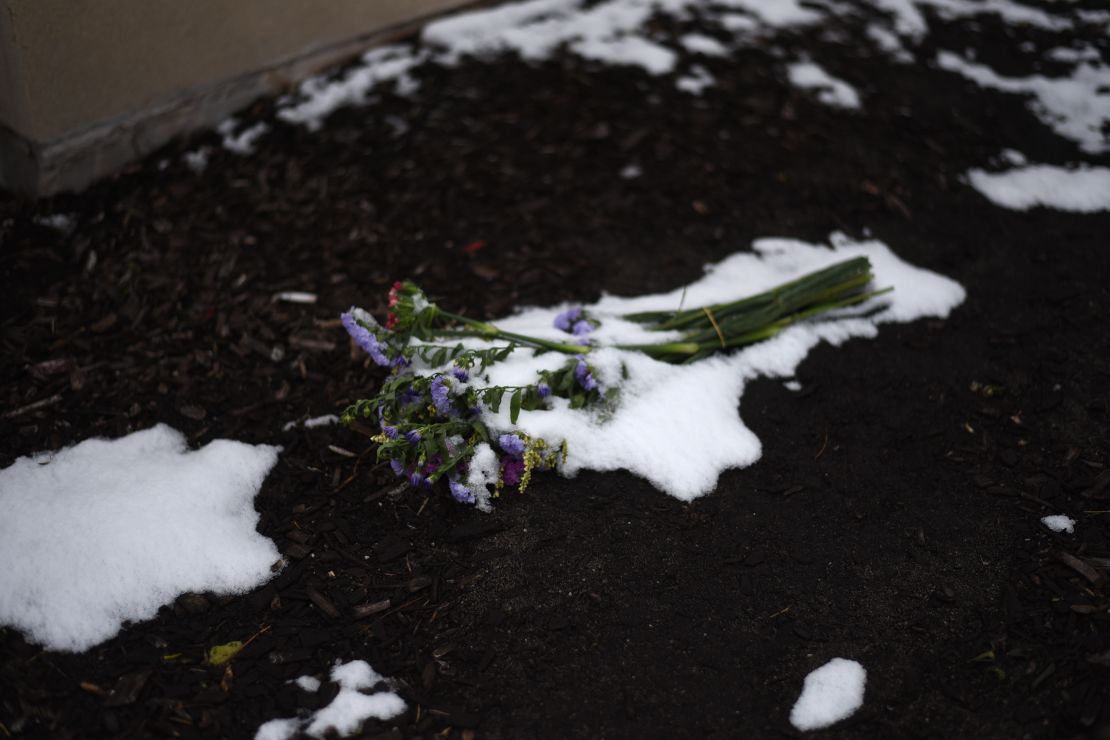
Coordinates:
43 403
824 444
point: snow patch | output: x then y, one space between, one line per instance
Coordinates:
311 684
699 43
830 90
607 32
318 97
1074 56
197 159
1080 190
1076 107
775 13
346 712
678 426
62 222
889 43
108 531
241 142
631 172
831 693
910 21
1059 523
695 81
316 421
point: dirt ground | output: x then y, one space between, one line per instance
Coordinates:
893 518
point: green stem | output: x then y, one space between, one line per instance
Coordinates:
486 330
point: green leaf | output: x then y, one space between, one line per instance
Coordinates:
514 407
566 382
439 443
494 399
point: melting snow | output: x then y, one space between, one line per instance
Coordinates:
699 43
830 90
58 221
631 172
695 81
320 96
1076 107
910 21
241 142
110 530
346 712
677 425
1059 523
831 693
317 421
1081 190
196 160
888 42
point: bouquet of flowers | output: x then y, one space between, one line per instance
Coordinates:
434 409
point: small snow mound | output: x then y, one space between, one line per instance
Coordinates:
110 530
1081 190
696 81
831 693
829 90
239 142
1059 523
311 684
347 711
699 43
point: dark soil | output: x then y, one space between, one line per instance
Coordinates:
894 516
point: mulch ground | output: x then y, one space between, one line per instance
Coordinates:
894 516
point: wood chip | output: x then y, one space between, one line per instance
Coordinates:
362 611
196 413
33 407
104 324
127 689
322 602
1079 566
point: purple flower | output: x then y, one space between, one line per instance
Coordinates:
511 470
581 327
543 389
416 479
353 322
389 431
461 493
413 437
460 374
583 375
511 444
400 362
409 396
440 396
397 467
567 318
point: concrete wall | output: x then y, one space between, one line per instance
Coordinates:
87 84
